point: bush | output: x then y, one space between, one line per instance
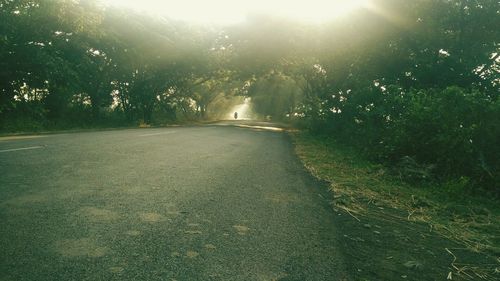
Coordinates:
449 133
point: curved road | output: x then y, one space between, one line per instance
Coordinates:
184 203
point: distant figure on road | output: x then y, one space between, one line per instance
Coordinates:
236 115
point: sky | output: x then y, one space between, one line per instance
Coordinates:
234 11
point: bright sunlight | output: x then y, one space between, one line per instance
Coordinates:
202 140
233 11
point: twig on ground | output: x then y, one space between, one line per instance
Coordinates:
459 270
352 214
410 213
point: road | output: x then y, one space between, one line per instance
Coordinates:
182 203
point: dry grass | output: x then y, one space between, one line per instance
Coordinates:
357 186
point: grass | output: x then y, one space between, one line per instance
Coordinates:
439 231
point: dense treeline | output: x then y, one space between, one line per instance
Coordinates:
423 94
414 84
75 63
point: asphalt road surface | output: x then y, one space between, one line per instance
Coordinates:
183 203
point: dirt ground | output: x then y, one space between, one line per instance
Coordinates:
384 246
393 231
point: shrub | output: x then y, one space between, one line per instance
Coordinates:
448 133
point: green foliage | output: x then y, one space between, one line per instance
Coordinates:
419 93
75 62
414 84
424 134
275 95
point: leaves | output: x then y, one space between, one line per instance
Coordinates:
402 80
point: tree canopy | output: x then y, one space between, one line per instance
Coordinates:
402 80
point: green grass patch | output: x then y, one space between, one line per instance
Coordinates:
454 231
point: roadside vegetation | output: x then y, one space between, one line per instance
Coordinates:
412 86
393 230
